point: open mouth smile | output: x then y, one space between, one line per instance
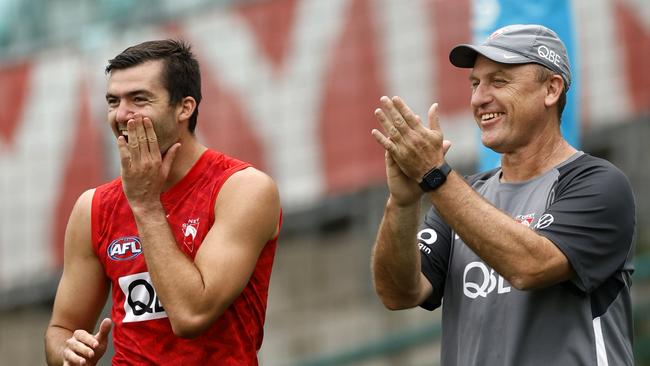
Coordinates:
490 116
125 133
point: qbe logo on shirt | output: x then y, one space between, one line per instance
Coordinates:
141 301
478 280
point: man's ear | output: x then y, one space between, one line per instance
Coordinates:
554 89
187 107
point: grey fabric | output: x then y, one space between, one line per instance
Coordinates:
585 206
518 44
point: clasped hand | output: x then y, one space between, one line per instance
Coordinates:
412 149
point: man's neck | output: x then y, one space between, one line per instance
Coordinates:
535 159
186 156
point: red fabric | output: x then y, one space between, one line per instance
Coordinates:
237 335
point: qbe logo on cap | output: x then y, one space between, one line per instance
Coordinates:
549 54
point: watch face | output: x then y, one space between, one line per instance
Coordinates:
436 179
433 180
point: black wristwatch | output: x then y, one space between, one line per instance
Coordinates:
435 177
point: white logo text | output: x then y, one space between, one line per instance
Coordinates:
481 281
550 55
545 221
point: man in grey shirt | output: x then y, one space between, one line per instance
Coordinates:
532 259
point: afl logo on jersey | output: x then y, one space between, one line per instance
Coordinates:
125 248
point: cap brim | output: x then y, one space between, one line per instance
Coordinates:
464 55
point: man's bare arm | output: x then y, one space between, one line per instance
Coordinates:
195 294
398 280
80 297
523 257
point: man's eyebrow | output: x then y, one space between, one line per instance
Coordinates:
499 72
132 93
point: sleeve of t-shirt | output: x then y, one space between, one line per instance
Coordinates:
591 220
434 241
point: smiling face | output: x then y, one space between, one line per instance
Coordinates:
139 90
508 102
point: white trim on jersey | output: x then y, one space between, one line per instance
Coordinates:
601 351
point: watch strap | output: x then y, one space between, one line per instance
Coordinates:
435 177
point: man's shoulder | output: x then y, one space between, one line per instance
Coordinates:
595 177
112 186
236 169
249 181
593 168
584 160
237 178
222 166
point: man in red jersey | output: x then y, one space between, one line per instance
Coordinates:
185 237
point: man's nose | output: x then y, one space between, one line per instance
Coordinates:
124 112
481 96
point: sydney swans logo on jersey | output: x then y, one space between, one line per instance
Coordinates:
478 280
141 301
190 229
525 220
124 248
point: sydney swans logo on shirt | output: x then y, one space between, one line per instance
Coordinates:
124 248
190 229
525 220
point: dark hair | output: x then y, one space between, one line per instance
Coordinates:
181 75
544 74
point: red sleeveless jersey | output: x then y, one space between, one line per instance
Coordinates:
142 334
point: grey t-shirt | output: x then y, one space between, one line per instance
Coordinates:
585 206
